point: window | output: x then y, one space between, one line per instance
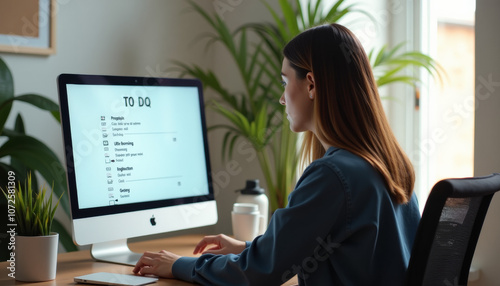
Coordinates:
447 112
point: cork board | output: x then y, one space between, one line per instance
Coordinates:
19 20
27 26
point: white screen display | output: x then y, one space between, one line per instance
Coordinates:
135 144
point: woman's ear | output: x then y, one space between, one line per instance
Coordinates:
311 87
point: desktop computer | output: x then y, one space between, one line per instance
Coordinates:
137 159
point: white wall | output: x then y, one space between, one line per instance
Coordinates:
487 133
116 37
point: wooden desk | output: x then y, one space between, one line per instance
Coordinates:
78 263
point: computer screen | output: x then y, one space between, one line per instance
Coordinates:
137 159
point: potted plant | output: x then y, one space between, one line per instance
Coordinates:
22 153
31 215
254 114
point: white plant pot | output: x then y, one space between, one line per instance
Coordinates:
36 257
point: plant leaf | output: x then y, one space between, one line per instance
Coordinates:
290 17
37 156
41 102
6 92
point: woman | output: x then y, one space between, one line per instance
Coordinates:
352 218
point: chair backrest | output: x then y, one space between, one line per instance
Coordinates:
449 229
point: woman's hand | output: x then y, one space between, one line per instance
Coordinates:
223 244
156 263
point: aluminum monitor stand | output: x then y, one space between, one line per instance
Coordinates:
116 251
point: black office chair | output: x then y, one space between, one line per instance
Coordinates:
449 229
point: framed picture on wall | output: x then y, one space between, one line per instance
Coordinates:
27 26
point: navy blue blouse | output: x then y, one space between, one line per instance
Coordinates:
340 228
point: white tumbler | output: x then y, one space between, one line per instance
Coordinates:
246 219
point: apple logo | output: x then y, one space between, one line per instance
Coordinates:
153 220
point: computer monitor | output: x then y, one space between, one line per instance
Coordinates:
137 159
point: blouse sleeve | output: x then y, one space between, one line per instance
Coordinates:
295 234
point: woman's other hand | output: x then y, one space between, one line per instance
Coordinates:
221 244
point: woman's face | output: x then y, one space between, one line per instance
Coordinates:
298 98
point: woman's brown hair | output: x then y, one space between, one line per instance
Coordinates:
348 113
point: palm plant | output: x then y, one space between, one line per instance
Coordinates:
255 114
23 154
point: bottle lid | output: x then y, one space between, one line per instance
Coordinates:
252 188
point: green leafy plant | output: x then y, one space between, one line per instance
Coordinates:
34 213
388 65
254 114
23 154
